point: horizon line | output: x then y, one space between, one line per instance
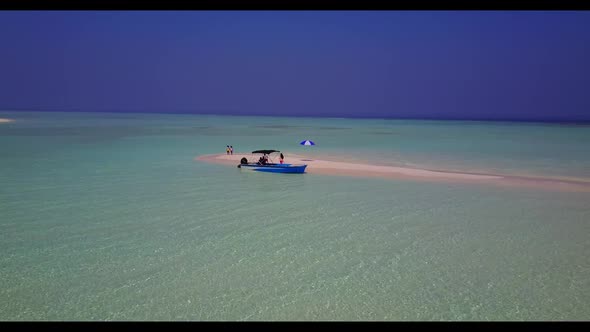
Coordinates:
367 117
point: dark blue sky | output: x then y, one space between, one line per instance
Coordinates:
426 64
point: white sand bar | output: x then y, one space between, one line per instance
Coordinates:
317 166
3 120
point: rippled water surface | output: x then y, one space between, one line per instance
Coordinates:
109 217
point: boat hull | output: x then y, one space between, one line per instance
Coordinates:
275 168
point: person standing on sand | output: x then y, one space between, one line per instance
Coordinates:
231 149
227 149
282 158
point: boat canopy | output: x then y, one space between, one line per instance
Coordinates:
265 151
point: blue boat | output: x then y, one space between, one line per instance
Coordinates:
264 165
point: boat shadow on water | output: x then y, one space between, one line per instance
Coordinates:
272 183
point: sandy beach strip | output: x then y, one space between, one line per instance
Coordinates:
327 167
4 120
341 168
317 166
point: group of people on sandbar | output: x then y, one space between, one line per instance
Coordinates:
264 159
229 149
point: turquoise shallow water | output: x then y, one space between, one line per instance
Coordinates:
108 217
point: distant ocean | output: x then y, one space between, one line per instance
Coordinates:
107 216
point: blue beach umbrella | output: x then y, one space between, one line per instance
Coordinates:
307 142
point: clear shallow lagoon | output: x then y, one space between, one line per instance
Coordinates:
108 216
